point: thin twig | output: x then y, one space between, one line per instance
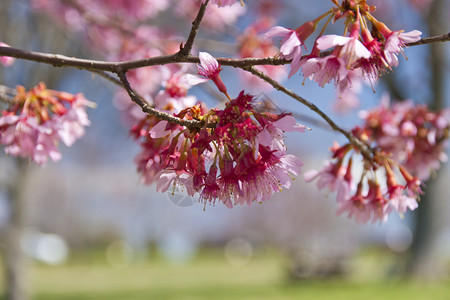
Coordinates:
146 108
186 49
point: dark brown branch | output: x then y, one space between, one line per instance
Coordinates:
58 60
154 112
313 107
186 50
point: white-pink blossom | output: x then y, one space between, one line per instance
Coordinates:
352 49
395 43
208 69
329 68
272 135
332 177
290 48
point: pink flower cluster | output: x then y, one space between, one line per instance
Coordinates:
39 119
407 144
240 160
365 51
415 136
370 195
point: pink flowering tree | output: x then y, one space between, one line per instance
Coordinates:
236 154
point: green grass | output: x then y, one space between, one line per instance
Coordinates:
210 277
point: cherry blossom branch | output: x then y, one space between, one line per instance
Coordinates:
59 60
146 108
356 142
186 49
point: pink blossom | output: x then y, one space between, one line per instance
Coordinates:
329 68
211 189
310 65
377 203
6 60
70 126
357 207
373 206
348 90
159 130
174 95
352 49
401 202
272 135
209 68
230 189
331 176
24 137
288 164
18 134
256 185
170 179
290 48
